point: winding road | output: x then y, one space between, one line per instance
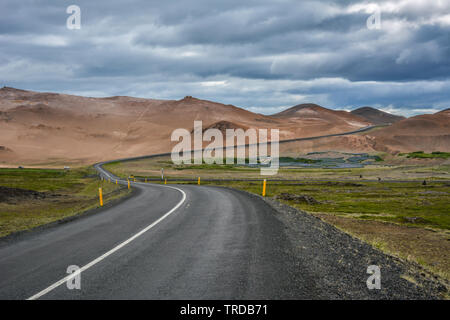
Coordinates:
165 242
192 242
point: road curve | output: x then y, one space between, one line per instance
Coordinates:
216 244
364 129
194 242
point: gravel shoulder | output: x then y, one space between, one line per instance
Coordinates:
338 262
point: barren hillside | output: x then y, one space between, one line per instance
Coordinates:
376 116
50 128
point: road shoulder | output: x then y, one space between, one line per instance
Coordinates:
24 234
341 260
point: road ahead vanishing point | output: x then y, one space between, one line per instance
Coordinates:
167 242
196 242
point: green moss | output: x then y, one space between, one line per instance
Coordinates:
385 201
299 160
382 201
69 193
423 155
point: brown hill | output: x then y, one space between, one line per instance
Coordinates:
428 132
314 112
301 110
49 128
312 119
376 116
46 128
222 126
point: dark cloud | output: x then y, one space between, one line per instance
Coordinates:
259 54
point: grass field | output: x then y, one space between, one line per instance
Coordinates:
151 168
423 155
60 194
405 219
402 203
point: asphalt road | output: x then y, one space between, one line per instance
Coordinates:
196 242
281 142
215 244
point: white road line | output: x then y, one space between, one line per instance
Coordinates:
118 247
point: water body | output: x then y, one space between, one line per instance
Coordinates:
347 161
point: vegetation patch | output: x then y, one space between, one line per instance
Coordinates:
423 155
33 197
297 198
300 160
426 247
151 168
12 195
397 214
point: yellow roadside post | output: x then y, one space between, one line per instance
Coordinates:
128 184
264 188
145 180
100 196
165 181
116 181
198 182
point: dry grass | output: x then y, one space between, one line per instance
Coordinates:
67 194
429 248
152 168
407 220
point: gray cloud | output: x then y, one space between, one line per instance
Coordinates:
262 54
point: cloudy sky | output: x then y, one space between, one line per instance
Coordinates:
257 54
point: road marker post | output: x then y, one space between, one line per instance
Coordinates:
264 188
116 181
128 184
165 181
100 196
198 182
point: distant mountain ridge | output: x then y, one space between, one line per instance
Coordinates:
312 111
41 128
297 110
427 132
376 116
